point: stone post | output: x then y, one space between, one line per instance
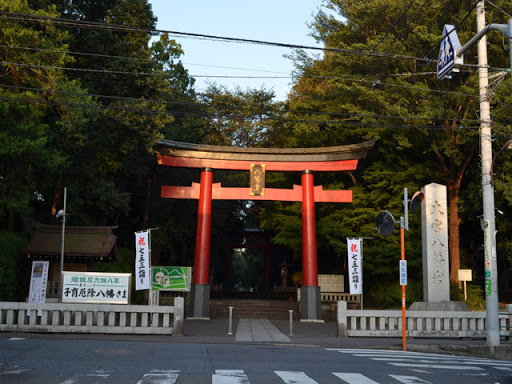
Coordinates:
179 316
434 228
342 318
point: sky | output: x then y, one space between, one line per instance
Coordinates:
283 21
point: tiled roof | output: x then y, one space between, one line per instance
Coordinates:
80 243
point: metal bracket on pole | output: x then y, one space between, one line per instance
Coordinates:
505 29
406 211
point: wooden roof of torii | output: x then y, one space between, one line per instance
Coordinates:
338 158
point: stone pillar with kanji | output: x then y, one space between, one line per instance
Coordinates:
434 224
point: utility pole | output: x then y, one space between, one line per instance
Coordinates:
491 270
63 214
451 56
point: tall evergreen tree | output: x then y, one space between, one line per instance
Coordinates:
377 79
38 118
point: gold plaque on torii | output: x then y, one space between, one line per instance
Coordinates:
257 179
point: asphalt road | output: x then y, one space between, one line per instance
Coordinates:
53 359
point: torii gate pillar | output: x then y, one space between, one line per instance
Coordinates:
310 291
200 288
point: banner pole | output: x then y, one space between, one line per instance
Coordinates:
402 257
362 269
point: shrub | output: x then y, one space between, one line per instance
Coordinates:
475 294
13 268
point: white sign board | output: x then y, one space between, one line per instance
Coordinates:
38 282
403 272
354 266
96 287
465 275
142 272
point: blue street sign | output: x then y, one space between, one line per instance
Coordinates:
403 272
447 59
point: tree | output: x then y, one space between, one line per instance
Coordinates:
379 73
37 119
240 118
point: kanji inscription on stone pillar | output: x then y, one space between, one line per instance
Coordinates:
434 220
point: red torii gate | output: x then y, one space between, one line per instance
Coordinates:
258 161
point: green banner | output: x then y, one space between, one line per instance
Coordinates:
171 278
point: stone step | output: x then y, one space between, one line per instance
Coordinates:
254 308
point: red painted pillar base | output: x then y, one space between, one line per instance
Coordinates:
200 290
310 292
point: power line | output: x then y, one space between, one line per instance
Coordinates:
109 71
400 34
125 28
394 24
76 53
453 30
165 74
128 58
209 66
238 117
499 8
259 110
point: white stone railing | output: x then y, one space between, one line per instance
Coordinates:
375 323
92 318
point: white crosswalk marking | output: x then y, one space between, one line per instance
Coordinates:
434 361
291 377
238 376
437 366
422 362
229 376
76 380
159 377
354 378
409 379
504 369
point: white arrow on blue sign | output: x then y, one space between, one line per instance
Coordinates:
447 59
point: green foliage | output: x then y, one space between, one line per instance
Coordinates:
53 133
241 118
417 119
34 124
475 294
386 295
14 281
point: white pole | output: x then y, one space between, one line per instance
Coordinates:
62 245
491 271
290 311
149 270
230 324
362 270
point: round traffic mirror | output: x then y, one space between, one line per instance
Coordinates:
385 223
416 200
